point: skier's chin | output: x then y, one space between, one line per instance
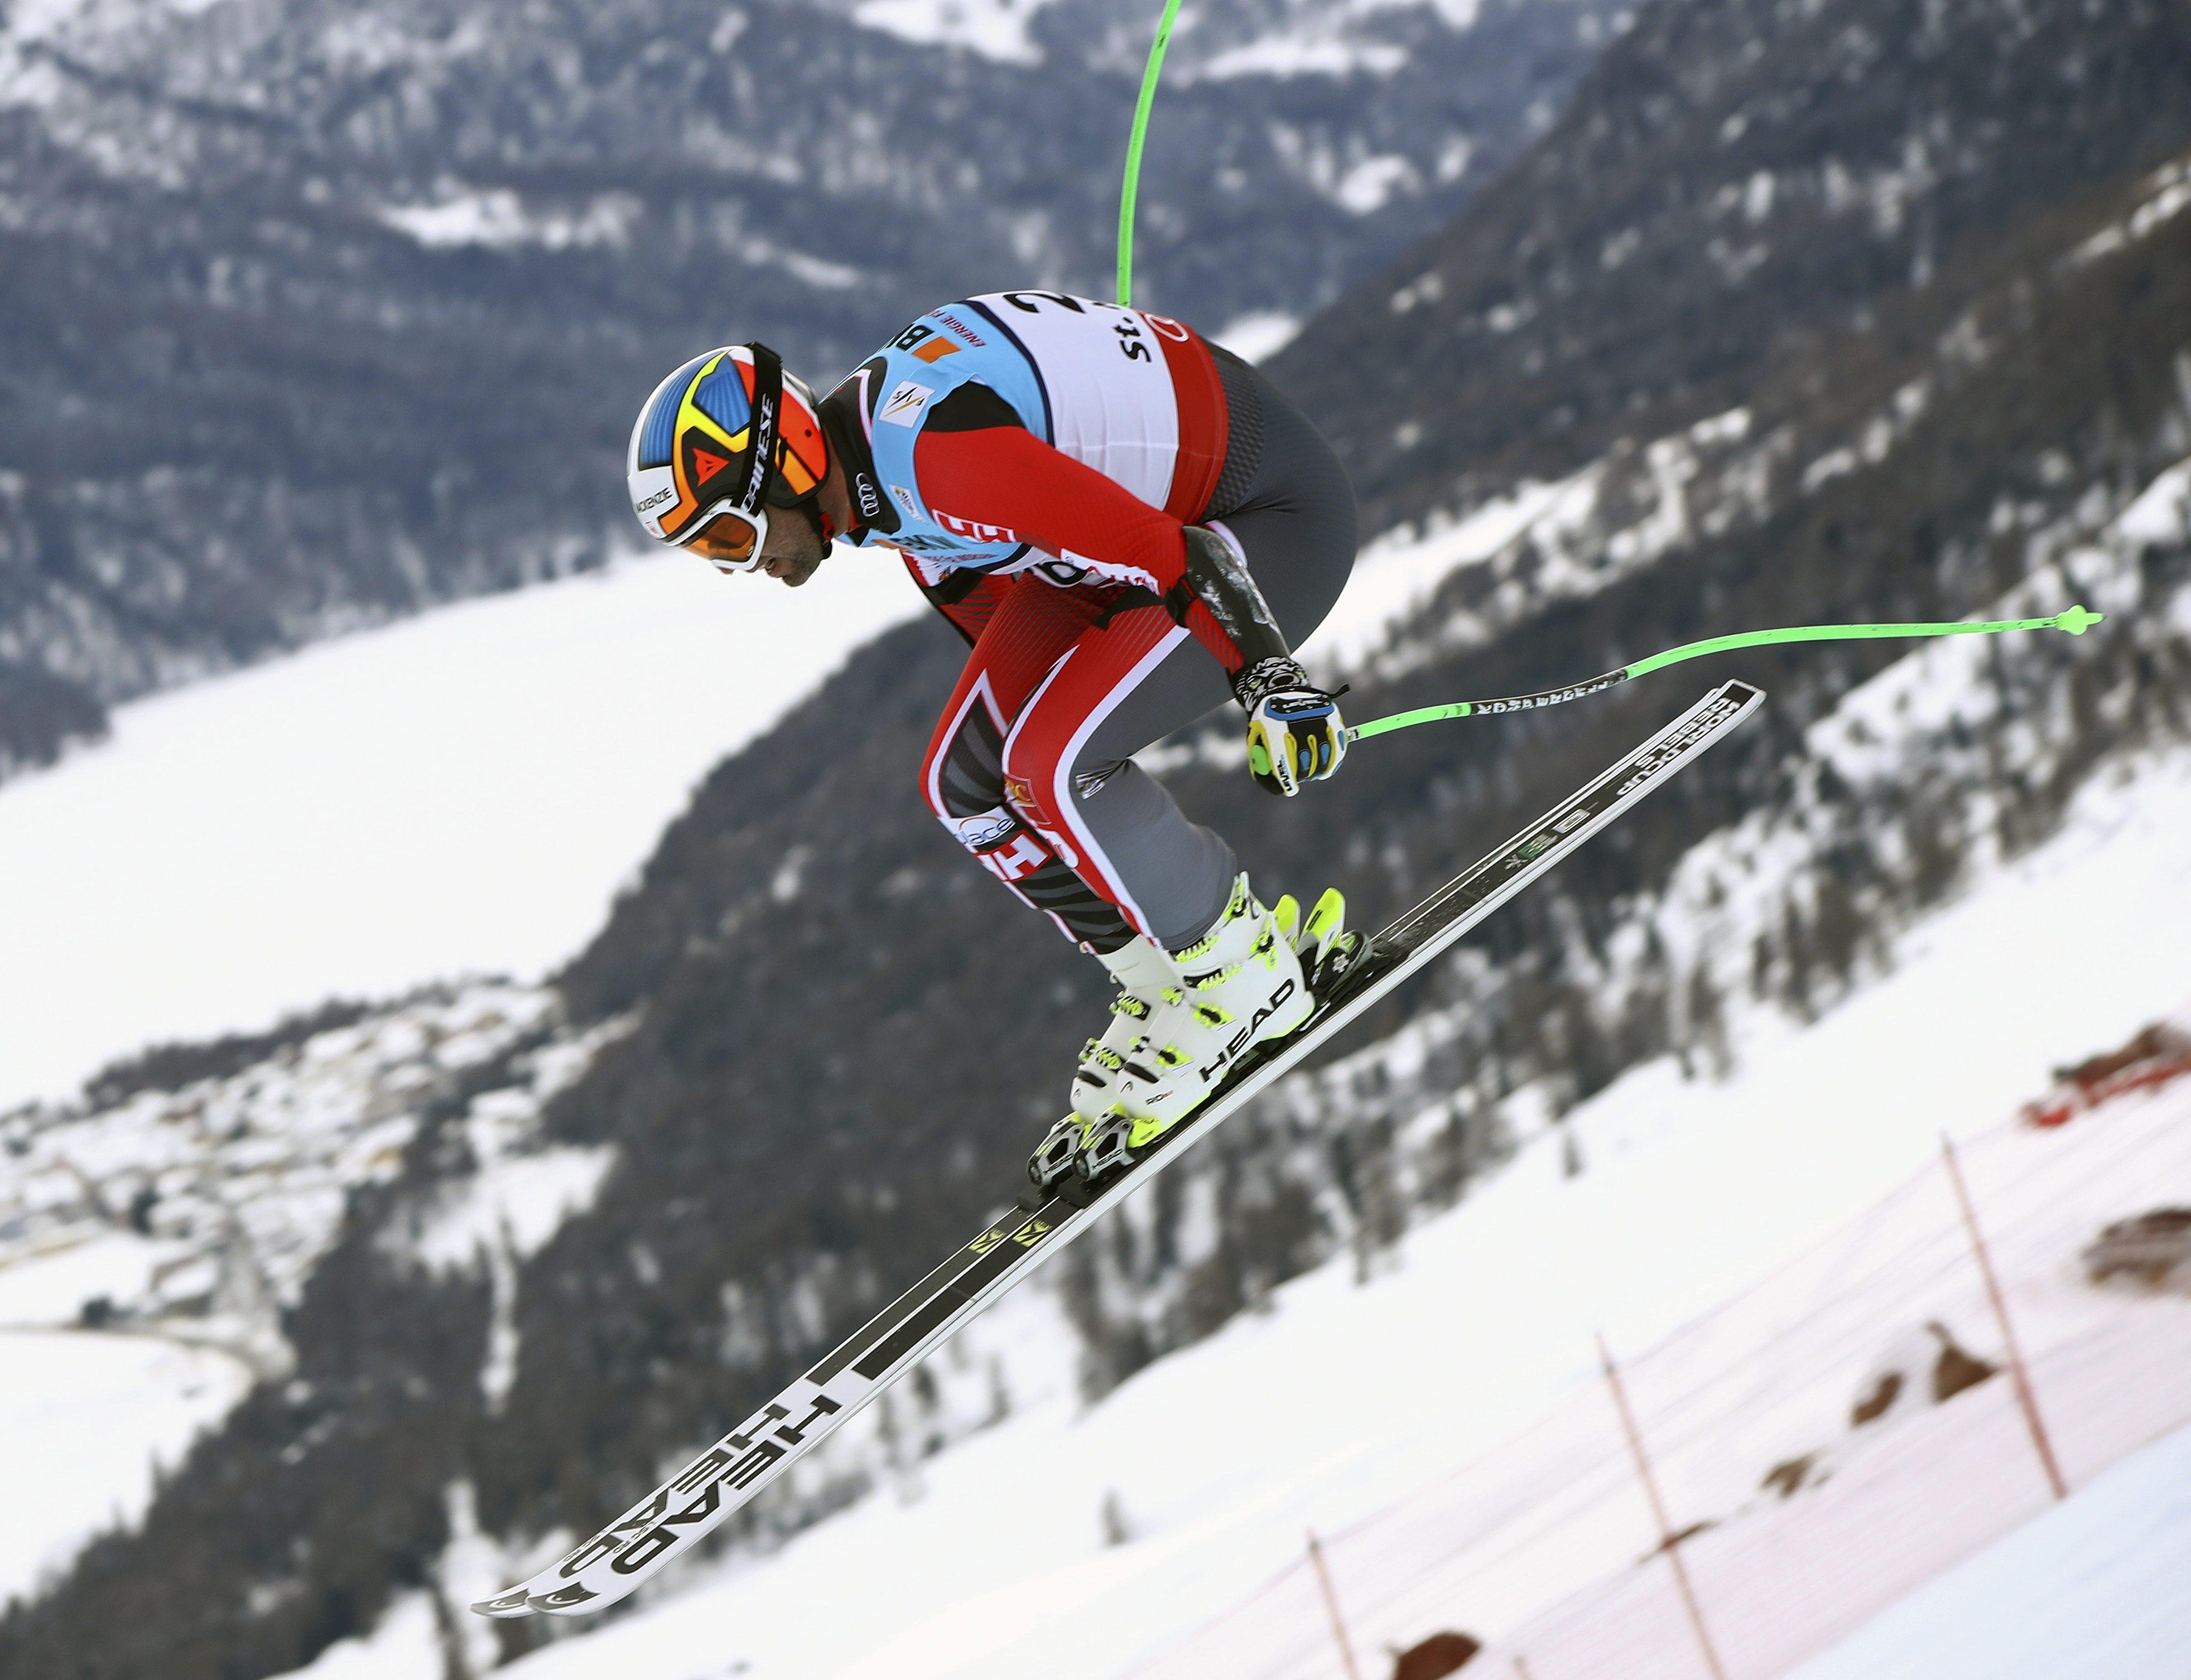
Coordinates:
795 567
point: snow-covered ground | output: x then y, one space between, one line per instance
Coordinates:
460 793
1345 1397
2093 1590
90 1419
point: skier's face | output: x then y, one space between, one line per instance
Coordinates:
795 545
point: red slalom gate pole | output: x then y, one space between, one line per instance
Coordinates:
1667 1543
2025 1396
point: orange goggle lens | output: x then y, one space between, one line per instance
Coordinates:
730 538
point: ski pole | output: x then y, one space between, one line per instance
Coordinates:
2074 619
1133 149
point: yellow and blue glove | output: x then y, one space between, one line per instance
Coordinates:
1295 734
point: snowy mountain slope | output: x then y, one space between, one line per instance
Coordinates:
1901 717
1964 752
1943 672
1896 719
1344 1395
772 1177
1736 188
762 1200
464 792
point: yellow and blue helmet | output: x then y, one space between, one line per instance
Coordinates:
722 439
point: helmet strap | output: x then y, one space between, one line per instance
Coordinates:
767 413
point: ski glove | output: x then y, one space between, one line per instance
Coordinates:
1295 734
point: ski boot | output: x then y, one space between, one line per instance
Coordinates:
1328 949
1245 982
1147 982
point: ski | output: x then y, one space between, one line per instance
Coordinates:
615 1561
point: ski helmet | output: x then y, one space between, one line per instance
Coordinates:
725 438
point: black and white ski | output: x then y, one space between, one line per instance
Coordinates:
661 1526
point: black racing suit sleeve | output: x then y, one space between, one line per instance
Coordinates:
1215 578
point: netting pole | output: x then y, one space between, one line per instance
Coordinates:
1667 1543
1331 1603
2025 1397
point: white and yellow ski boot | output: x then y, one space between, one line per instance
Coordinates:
1147 983
1244 983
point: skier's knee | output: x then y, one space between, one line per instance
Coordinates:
1028 770
1032 794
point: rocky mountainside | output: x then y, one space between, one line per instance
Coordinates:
815 1048
315 313
1732 195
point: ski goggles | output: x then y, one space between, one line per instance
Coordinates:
730 538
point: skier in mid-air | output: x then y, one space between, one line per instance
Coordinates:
1126 522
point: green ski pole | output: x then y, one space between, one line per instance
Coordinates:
2074 619
1134 151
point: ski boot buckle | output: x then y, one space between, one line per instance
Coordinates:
1105 1149
1052 1158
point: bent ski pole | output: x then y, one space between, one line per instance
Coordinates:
1133 149
2074 619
